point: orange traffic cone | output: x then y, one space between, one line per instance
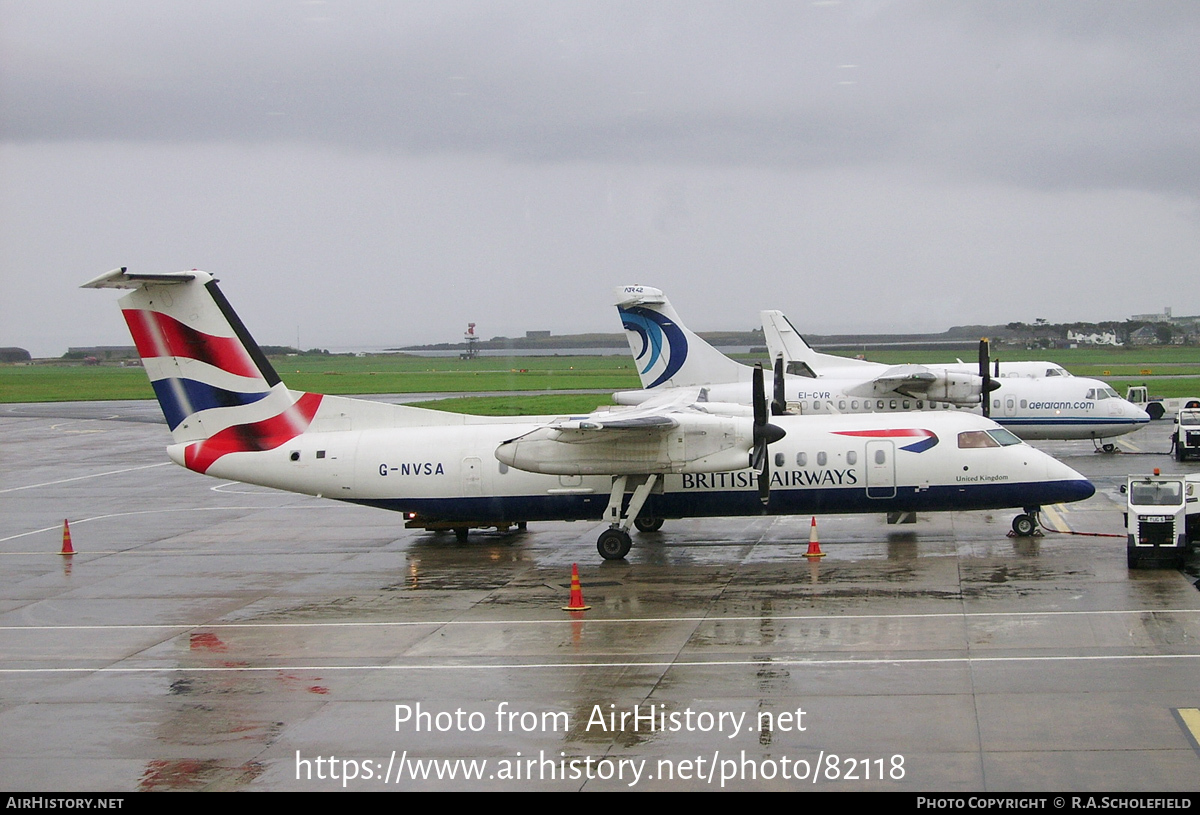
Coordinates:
576 602
67 549
814 545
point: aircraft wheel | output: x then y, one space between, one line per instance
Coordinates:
614 544
1179 454
1023 525
460 533
1109 448
648 524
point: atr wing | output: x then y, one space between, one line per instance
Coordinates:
920 382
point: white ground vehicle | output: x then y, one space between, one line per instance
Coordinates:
1186 438
1159 406
1162 517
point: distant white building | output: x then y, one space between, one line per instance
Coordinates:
1107 338
1165 317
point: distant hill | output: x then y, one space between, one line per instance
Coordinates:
965 337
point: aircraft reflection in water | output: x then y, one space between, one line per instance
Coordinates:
232 417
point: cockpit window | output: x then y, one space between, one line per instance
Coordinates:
1052 372
1004 437
976 438
1156 493
1112 394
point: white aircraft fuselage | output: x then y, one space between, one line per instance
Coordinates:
1049 408
825 464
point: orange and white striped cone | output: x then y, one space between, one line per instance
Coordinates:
576 602
814 545
67 549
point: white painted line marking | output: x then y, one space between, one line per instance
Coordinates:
620 620
509 666
84 477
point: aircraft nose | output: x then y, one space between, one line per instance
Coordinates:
1068 484
1136 413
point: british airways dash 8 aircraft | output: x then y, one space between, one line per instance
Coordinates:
232 417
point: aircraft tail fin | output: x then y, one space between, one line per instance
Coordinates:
217 390
783 340
666 353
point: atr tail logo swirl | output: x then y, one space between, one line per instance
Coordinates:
925 438
663 343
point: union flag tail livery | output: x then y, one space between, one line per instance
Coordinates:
217 389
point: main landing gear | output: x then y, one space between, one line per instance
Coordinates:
614 543
1027 525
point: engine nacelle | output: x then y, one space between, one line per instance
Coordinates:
951 386
693 443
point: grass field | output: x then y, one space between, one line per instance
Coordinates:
1168 372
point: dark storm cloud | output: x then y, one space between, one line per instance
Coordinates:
1036 94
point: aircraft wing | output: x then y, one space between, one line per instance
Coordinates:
660 438
920 382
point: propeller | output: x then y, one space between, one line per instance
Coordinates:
764 434
779 403
986 376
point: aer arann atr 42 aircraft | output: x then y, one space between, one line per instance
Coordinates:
232 417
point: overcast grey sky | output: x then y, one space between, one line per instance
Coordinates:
375 173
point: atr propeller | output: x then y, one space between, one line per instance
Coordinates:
989 384
779 402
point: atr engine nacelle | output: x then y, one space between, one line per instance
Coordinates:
950 386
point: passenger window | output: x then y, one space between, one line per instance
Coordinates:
821 459
1024 404
801 459
779 459
905 404
879 405
892 404
880 457
841 404
851 457
854 404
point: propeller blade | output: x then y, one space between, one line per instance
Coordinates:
986 376
764 434
779 403
760 399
